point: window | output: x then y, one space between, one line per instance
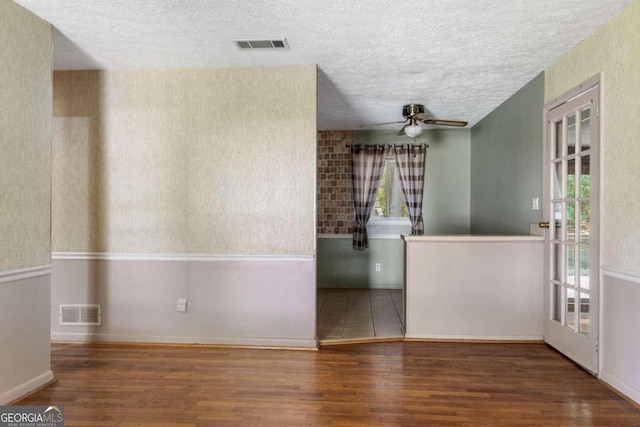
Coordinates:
390 203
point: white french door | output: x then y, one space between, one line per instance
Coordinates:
571 195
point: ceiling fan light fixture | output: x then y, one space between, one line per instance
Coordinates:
412 131
414 114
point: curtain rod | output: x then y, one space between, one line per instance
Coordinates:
388 145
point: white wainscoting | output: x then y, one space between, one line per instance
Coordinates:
24 332
231 300
620 331
474 287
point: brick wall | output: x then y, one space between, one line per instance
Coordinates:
335 203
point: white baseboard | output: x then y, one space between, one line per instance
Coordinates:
476 337
621 386
231 341
31 385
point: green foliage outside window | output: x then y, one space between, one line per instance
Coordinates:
584 193
389 201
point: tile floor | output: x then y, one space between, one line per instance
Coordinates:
359 313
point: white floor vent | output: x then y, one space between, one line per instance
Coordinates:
80 314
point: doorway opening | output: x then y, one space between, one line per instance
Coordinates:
359 293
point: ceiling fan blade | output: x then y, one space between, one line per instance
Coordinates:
402 130
456 123
381 124
422 116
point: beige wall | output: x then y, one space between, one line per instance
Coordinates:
25 129
25 201
613 50
205 161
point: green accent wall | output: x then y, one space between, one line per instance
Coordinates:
506 164
339 266
446 179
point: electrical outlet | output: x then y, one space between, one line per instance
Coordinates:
181 305
378 266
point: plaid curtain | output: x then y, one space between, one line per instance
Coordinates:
410 160
367 164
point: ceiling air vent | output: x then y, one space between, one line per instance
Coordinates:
80 314
277 44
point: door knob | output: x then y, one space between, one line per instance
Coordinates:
543 224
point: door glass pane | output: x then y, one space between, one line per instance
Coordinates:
558 138
584 268
557 262
557 180
584 314
585 178
557 303
585 224
571 221
570 266
556 224
571 178
571 308
585 128
571 134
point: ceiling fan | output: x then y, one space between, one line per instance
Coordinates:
414 113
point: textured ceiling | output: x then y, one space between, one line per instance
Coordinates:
460 58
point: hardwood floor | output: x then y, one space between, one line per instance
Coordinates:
386 384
